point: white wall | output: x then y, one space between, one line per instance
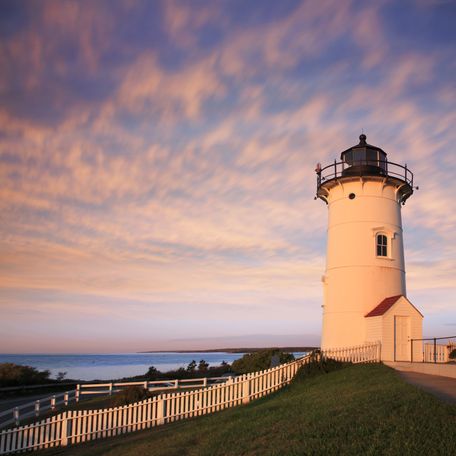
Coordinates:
356 280
374 329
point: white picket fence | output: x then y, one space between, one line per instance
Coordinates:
36 408
436 354
367 353
84 425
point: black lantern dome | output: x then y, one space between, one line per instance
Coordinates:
364 159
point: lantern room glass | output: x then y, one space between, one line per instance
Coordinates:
365 156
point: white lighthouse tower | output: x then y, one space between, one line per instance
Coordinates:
364 283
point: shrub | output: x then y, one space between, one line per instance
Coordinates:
15 375
453 354
130 395
261 360
318 367
153 374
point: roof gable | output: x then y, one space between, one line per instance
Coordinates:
386 305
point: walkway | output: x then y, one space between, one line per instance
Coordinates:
442 387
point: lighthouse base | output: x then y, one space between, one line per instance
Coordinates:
393 323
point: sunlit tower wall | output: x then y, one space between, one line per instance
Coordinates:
365 254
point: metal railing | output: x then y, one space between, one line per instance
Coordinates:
363 168
435 352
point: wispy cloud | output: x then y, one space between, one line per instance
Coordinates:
159 161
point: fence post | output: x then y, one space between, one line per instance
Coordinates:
176 383
146 385
246 391
77 392
204 382
65 398
64 437
435 350
411 350
160 410
16 415
53 403
37 408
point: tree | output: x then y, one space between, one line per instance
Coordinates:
60 376
153 373
203 365
191 366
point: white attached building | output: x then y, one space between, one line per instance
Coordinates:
394 322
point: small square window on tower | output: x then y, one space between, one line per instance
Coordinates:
382 245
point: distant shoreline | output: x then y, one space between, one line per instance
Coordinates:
235 350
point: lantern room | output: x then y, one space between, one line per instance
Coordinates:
364 159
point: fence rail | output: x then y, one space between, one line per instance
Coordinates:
156 385
72 427
36 408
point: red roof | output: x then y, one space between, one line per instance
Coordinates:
383 307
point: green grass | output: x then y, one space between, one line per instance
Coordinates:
358 410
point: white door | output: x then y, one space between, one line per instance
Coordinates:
402 332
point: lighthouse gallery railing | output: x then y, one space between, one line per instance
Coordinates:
363 168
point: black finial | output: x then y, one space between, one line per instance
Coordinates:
362 139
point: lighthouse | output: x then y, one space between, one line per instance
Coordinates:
364 287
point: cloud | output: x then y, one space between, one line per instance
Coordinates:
171 172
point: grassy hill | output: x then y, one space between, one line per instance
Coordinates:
358 410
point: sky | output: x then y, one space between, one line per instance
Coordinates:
157 164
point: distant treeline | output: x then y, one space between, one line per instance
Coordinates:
250 362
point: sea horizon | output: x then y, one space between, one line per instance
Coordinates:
244 349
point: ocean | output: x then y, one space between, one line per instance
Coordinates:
114 366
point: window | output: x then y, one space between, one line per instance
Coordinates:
372 157
349 157
359 156
382 245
